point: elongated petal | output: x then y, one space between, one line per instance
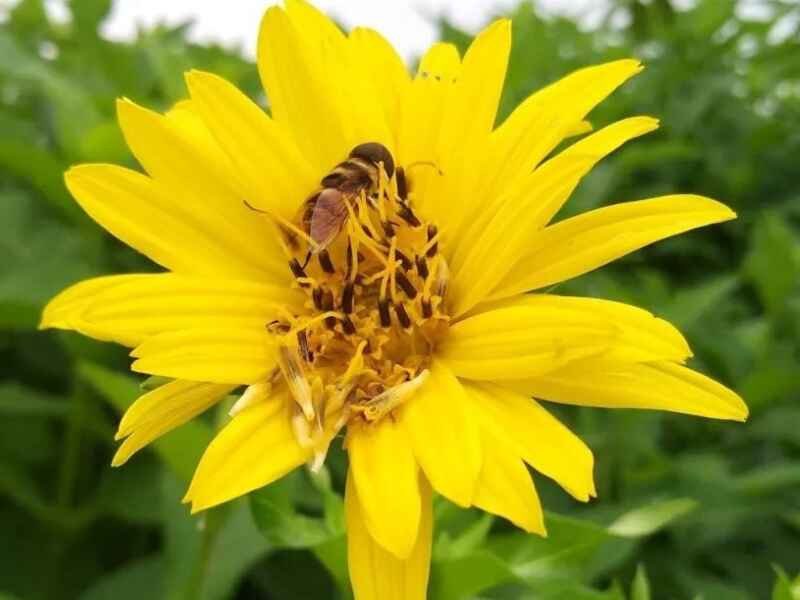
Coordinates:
660 385
171 230
467 122
537 125
162 410
423 106
236 356
183 157
130 308
538 437
257 447
444 434
387 479
475 96
268 163
351 87
60 310
501 232
511 340
375 57
315 87
505 487
422 110
583 243
377 574
639 335
297 95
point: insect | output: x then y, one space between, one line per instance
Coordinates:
325 212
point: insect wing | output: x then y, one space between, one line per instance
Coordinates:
330 213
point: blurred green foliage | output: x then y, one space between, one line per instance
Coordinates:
687 508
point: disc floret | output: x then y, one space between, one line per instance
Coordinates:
375 291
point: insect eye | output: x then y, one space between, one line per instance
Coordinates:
375 153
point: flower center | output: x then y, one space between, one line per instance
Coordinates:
375 284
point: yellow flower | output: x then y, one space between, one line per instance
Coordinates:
360 260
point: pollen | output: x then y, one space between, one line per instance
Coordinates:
375 284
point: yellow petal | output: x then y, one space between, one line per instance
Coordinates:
129 309
273 173
162 410
659 385
257 447
378 61
236 356
377 574
639 335
501 231
583 243
535 435
472 110
297 95
386 477
505 487
545 118
511 340
351 87
467 121
60 310
184 158
421 113
168 228
444 435
315 88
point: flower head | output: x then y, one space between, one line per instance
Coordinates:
359 262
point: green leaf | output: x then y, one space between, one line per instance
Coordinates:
640 589
88 14
773 264
19 400
233 551
466 576
275 512
785 588
690 304
647 520
46 255
132 581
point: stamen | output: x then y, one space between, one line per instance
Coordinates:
325 262
442 278
347 298
295 379
387 401
302 344
427 309
383 310
405 284
402 315
252 394
404 260
301 428
296 269
408 216
433 244
348 327
316 296
422 267
402 184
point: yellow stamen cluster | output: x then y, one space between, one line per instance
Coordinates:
375 312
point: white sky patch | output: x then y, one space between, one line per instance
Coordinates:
408 25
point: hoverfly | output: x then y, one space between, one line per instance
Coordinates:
325 212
